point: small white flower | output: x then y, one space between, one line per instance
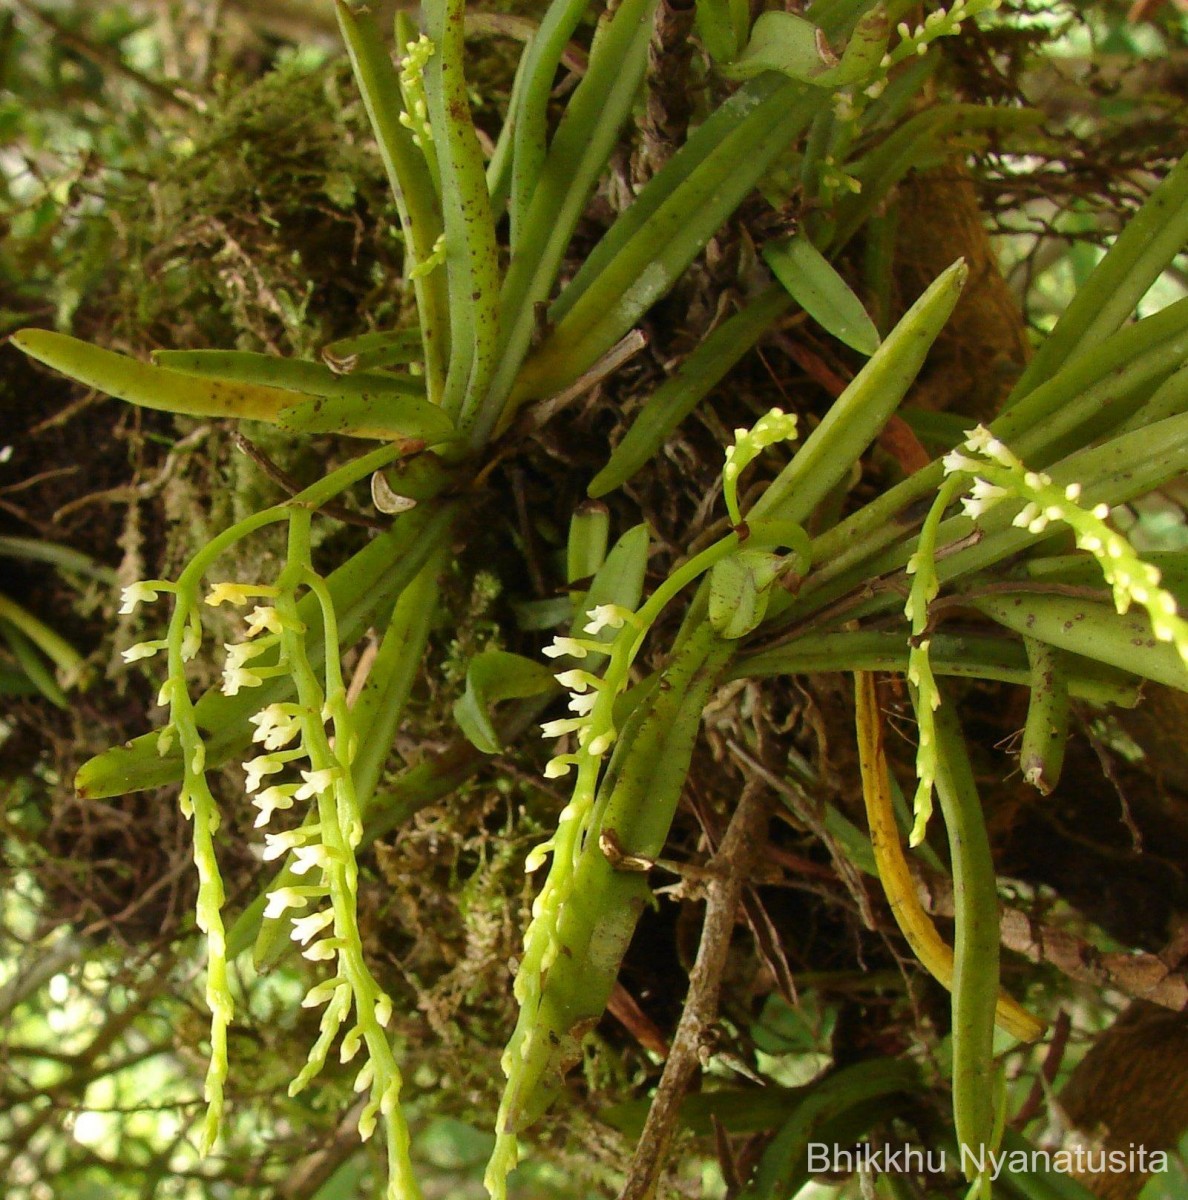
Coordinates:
561 765
537 857
237 678
143 591
606 616
383 1009
1101 511
240 653
191 641
310 856
1026 516
566 645
981 441
602 743
365 1076
305 928
1073 492
554 729
350 1044
316 782
235 674
583 705
237 593
263 619
283 899
367 1117
988 493
278 844
280 796
326 990
321 951
141 650
276 725
955 461
257 768
577 681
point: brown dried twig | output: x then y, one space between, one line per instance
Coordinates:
730 868
1143 976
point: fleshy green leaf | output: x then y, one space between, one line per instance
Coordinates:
863 53
740 587
822 293
722 27
786 43
387 418
493 676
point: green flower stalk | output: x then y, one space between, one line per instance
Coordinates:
325 849
327 845
592 701
989 474
926 695
1000 475
774 426
415 116
183 642
938 24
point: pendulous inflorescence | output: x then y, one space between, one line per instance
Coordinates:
306 744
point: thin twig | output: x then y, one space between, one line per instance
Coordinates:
625 349
287 483
1042 1086
109 60
1143 976
734 860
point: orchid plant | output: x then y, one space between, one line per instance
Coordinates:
767 597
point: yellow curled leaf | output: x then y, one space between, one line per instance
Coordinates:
935 956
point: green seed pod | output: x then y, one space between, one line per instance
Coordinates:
1046 731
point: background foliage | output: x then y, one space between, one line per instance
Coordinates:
175 180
